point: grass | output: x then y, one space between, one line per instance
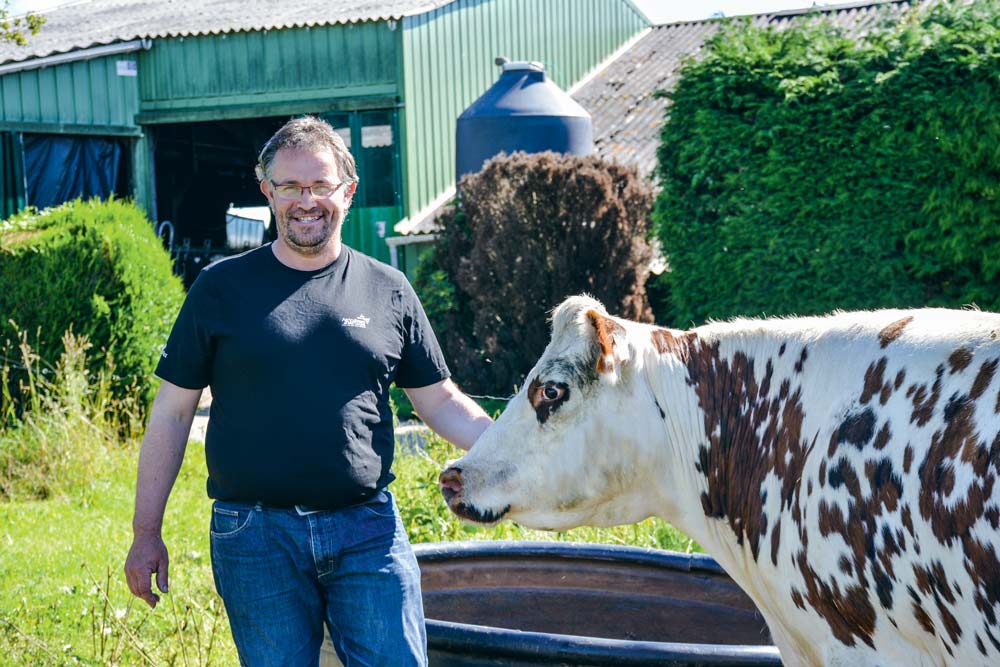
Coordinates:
64 600
66 492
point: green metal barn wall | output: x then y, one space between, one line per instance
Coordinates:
83 97
448 55
274 72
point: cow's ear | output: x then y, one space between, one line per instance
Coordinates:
610 339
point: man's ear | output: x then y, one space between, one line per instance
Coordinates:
610 339
265 188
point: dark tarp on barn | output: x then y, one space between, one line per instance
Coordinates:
64 167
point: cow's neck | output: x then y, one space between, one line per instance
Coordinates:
732 418
736 418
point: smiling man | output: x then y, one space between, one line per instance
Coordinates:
299 341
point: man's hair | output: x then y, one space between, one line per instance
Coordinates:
309 133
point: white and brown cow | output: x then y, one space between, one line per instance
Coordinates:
842 469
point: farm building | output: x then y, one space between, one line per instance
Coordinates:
621 98
169 101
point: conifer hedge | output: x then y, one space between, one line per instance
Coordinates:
803 171
96 268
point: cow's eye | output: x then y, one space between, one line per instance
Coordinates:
551 392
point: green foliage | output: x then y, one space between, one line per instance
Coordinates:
529 231
64 600
97 269
18 28
60 439
804 171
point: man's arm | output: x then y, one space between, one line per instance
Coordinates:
450 413
159 462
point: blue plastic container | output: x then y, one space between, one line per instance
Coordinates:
523 111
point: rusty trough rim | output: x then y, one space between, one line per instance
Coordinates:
541 647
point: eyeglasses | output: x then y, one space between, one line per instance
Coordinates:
294 191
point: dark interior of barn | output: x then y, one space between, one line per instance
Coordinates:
201 170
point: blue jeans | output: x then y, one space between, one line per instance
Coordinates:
282 574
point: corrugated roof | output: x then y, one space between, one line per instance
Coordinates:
98 22
626 114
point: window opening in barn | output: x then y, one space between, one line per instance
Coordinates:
378 159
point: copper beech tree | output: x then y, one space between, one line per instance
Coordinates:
526 232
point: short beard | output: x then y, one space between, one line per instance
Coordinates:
312 245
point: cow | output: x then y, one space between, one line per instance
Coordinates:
842 469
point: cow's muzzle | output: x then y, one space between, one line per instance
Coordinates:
451 483
451 488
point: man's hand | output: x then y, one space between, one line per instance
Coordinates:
147 556
159 461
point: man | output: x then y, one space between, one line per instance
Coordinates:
300 340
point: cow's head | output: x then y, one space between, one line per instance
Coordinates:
567 449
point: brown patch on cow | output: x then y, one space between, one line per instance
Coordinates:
874 378
797 599
845 566
923 619
983 378
924 403
800 364
893 331
666 342
543 408
951 520
750 435
876 383
907 459
606 329
775 541
858 428
847 611
933 581
883 437
959 360
953 513
907 518
900 377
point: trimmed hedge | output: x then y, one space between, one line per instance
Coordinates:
804 171
528 231
96 268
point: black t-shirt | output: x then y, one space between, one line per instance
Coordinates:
300 364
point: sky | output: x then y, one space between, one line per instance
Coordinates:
658 11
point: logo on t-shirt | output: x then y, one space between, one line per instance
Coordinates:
359 322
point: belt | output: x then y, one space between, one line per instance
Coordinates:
306 510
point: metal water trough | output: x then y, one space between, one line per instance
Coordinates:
521 604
